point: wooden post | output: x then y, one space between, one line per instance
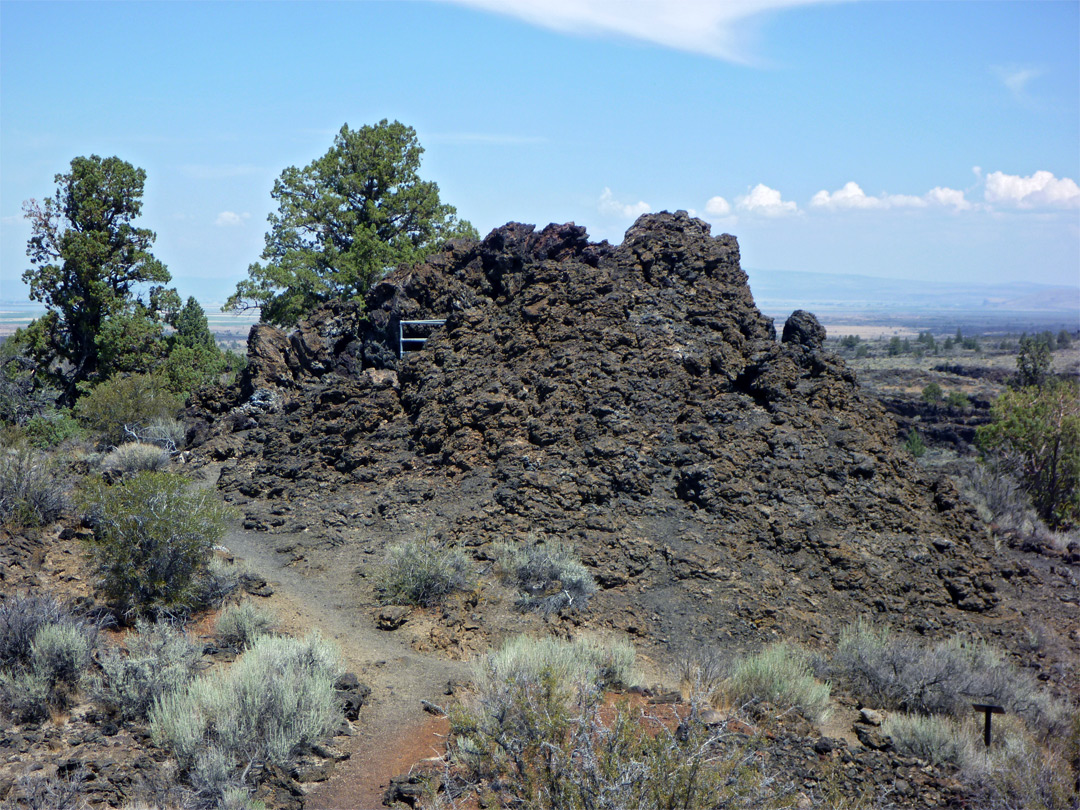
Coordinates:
987 711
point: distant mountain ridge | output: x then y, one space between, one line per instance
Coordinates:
786 290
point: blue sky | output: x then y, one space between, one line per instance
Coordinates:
923 140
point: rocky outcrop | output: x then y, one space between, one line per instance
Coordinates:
629 399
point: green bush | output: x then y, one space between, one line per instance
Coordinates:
161 659
276 698
932 393
134 457
125 404
1035 434
781 675
152 540
549 577
239 625
422 573
51 428
31 492
958 400
914 444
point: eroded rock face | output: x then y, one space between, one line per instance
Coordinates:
629 399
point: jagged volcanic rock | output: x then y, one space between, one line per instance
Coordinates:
628 399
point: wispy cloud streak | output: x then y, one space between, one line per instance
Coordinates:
698 26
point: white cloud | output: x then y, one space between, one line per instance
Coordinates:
1040 190
948 197
609 205
717 207
766 201
699 26
1016 79
851 196
229 219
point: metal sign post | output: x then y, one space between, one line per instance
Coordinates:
988 710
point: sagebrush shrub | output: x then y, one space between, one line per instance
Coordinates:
31 492
780 674
239 625
135 457
123 404
37 790
549 577
217 583
936 739
423 573
277 697
61 653
160 659
524 658
152 540
45 654
27 695
894 672
541 743
168 434
1018 772
20 619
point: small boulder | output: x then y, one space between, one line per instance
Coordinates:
870 717
392 617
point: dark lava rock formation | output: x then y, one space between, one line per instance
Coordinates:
629 399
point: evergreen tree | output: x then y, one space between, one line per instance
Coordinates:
344 220
87 259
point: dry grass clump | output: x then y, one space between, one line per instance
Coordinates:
781 675
423 573
239 625
134 457
524 659
549 577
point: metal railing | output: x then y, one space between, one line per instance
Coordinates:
414 342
